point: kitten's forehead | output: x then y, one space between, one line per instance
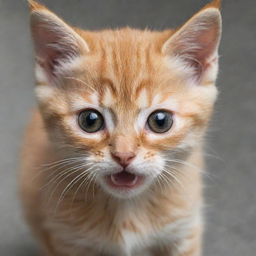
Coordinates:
124 61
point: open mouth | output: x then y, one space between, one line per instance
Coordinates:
124 180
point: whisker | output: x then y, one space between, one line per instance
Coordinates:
73 170
70 185
172 175
176 161
89 183
61 173
59 166
161 181
61 161
93 184
83 183
81 81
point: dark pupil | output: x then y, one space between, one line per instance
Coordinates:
91 119
160 119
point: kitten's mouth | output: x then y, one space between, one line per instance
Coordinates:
124 180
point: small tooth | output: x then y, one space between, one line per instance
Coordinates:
134 180
113 179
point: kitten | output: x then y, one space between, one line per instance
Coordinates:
112 159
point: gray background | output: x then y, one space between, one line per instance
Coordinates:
231 191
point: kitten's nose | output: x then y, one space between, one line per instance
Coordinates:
123 158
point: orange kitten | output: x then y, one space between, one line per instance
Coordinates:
112 159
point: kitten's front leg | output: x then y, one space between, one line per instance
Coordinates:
189 246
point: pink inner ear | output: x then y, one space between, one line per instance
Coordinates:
50 49
55 42
206 42
196 43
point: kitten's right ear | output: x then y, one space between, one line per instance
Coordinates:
57 45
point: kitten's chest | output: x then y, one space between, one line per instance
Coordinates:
129 239
120 228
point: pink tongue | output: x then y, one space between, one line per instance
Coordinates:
123 178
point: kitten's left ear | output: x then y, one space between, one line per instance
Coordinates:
57 45
195 44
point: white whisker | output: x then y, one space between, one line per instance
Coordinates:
81 81
73 170
70 185
60 173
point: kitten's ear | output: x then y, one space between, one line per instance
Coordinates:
57 45
195 44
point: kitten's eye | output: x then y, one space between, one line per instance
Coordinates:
160 121
91 120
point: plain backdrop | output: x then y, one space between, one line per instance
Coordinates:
231 176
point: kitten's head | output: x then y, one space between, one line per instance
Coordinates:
129 103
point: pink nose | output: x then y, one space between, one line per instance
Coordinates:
123 158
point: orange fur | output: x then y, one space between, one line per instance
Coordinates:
124 73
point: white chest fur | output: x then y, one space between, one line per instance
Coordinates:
138 244
132 243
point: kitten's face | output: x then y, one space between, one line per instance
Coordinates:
125 103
